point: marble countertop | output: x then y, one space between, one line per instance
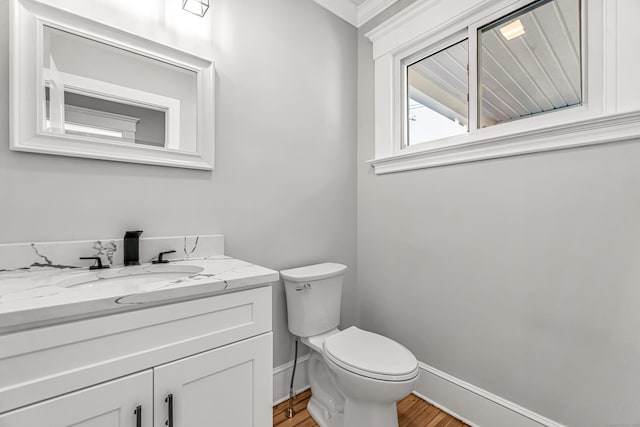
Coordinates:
43 296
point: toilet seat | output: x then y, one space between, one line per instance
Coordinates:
370 355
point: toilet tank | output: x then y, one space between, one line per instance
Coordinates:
314 295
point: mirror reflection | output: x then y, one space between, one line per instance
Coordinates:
94 90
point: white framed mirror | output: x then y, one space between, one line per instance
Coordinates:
80 88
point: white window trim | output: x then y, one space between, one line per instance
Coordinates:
428 26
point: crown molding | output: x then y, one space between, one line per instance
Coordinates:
354 14
370 8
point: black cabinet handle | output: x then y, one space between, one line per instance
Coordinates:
138 413
169 400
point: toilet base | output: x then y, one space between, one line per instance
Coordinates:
370 415
322 416
369 402
343 399
326 405
357 414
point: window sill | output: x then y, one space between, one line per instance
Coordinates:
610 128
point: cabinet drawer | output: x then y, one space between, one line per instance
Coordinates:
46 362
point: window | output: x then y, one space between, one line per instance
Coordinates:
438 87
542 75
528 63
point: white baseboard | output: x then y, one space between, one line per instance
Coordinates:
282 379
473 405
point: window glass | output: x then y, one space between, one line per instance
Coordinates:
438 87
530 62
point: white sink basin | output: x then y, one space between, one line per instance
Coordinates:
134 277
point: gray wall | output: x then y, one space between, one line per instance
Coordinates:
517 275
284 189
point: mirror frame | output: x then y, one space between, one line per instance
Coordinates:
27 21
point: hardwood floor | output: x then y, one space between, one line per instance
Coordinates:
412 412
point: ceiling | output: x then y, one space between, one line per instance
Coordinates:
534 72
356 12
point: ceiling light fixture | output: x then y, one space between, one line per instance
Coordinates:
197 7
512 30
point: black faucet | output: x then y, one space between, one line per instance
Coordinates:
132 248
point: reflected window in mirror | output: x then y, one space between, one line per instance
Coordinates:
437 91
99 118
98 91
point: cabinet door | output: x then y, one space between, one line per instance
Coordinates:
227 387
111 404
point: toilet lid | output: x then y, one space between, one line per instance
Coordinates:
313 272
371 355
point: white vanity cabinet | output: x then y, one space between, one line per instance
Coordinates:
189 364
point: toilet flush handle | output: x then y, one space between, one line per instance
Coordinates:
304 287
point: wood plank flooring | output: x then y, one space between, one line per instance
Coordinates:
412 412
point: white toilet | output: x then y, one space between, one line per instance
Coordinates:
356 376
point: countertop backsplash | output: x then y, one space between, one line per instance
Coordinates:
34 256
